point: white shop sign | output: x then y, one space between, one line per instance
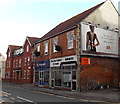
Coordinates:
56 62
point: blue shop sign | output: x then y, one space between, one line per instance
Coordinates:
39 65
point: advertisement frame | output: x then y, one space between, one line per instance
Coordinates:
99 54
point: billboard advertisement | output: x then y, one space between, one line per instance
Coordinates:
98 41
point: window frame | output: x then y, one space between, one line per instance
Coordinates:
54 44
27 48
38 47
70 41
46 48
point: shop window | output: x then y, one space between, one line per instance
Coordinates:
55 42
36 76
46 48
74 75
67 79
58 80
70 40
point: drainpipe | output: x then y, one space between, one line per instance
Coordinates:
78 56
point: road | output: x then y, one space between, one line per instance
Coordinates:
14 94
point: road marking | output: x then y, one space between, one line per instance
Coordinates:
24 99
50 94
6 93
85 100
65 97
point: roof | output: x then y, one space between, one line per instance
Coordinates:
68 24
12 47
33 39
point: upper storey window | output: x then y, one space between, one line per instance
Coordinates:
9 54
70 36
55 42
27 48
38 47
46 48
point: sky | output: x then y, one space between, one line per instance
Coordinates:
34 18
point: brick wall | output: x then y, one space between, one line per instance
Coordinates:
101 71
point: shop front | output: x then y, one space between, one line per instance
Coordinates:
42 73
63 73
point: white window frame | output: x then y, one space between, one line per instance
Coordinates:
38 47
46 48
70 41
54 44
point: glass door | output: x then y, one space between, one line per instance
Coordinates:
41 78
73 87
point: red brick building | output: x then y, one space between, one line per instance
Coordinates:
19 67
63 61
9 62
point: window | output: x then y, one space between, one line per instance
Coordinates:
28 74
55 42
9 54
27 48
13 75
25 60
13 63
58 81
29 60
70 40
24 74
19 62
46 48
38 47
16 63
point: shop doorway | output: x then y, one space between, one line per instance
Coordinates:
41 78
73 82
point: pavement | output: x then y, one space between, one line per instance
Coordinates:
105 95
